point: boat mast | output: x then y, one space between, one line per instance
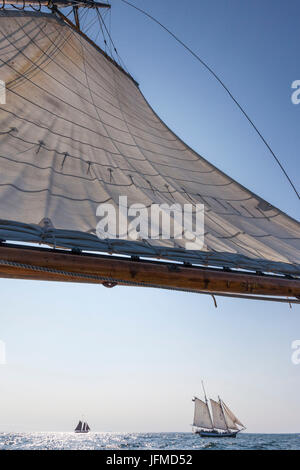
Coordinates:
206 401
76 17
55 4
92 4
220 401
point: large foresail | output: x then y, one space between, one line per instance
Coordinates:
231 419
202 417
218 416
76 132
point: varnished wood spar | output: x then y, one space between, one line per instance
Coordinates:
58 3
156 273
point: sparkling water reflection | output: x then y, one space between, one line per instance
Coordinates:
155 441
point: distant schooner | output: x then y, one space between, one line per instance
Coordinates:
221 423
82 427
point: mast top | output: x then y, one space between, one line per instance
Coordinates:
204 390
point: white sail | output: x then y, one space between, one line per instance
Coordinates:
76 131
231 419
202 417
218 416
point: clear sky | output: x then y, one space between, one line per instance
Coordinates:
130 359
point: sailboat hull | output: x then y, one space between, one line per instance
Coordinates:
216 434
81 432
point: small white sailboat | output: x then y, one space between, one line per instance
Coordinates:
221 422
82 427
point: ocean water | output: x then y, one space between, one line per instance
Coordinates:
150 441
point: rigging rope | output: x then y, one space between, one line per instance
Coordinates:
107 44
223 85
111 40
36 9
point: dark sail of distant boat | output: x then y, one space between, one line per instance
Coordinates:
82 427
76 132
79 426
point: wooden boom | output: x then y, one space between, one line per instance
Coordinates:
33 263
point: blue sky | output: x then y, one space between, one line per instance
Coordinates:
131 359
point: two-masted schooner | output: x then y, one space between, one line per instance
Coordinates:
82 427
221 422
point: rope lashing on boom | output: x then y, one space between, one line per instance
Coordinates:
225 88
36 9
19 8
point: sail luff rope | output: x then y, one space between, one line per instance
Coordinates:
196 56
